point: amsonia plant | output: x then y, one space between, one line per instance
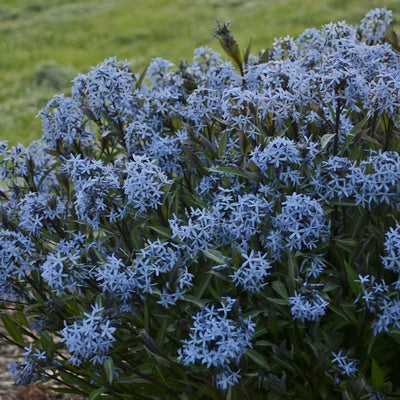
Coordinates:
216 229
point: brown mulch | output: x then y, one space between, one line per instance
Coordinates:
7 389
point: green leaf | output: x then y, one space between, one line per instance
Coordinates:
292 270
217 274
162 230
247 53
330 285
146 316
280 288
215 256
46 341
64 390
377 377
280 302
347 245
23 319
200 288
96 393
109 369
394 334
141 78
353 133
351 279
195 300
272 321
222 144
325 139
258 359
12 329
345 313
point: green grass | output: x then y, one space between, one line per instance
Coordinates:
45 43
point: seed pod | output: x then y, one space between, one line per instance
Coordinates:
228 43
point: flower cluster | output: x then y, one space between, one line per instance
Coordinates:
89 339
307 305
343 365
217 340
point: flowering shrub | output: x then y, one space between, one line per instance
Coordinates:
213 230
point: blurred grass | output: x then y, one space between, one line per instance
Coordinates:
45 43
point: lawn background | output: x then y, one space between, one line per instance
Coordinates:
45 43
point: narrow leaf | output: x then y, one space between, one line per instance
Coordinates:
377 377
109 370
351 279
326 139
141 78
214 255
280 288
258 359
12 329
96 393
236 171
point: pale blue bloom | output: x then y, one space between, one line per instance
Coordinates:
227 219
313 267
252 273
374 181
107 90
89 339
38 209
302 222
391 260
387 315
227 378
343 365
25 372
29 370
118 279
217 340
157 70
144 184
64 121
307 305
16 251
374 25
63 269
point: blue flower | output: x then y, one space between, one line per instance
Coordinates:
144 184
63 269
16 251
157 71
391 260
35 209
374 180
313 267
217 340
374 25
89 339
227 378
118 279
25 372
63 120
252 274
302 222
307 305
107 90
387 315
343 365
